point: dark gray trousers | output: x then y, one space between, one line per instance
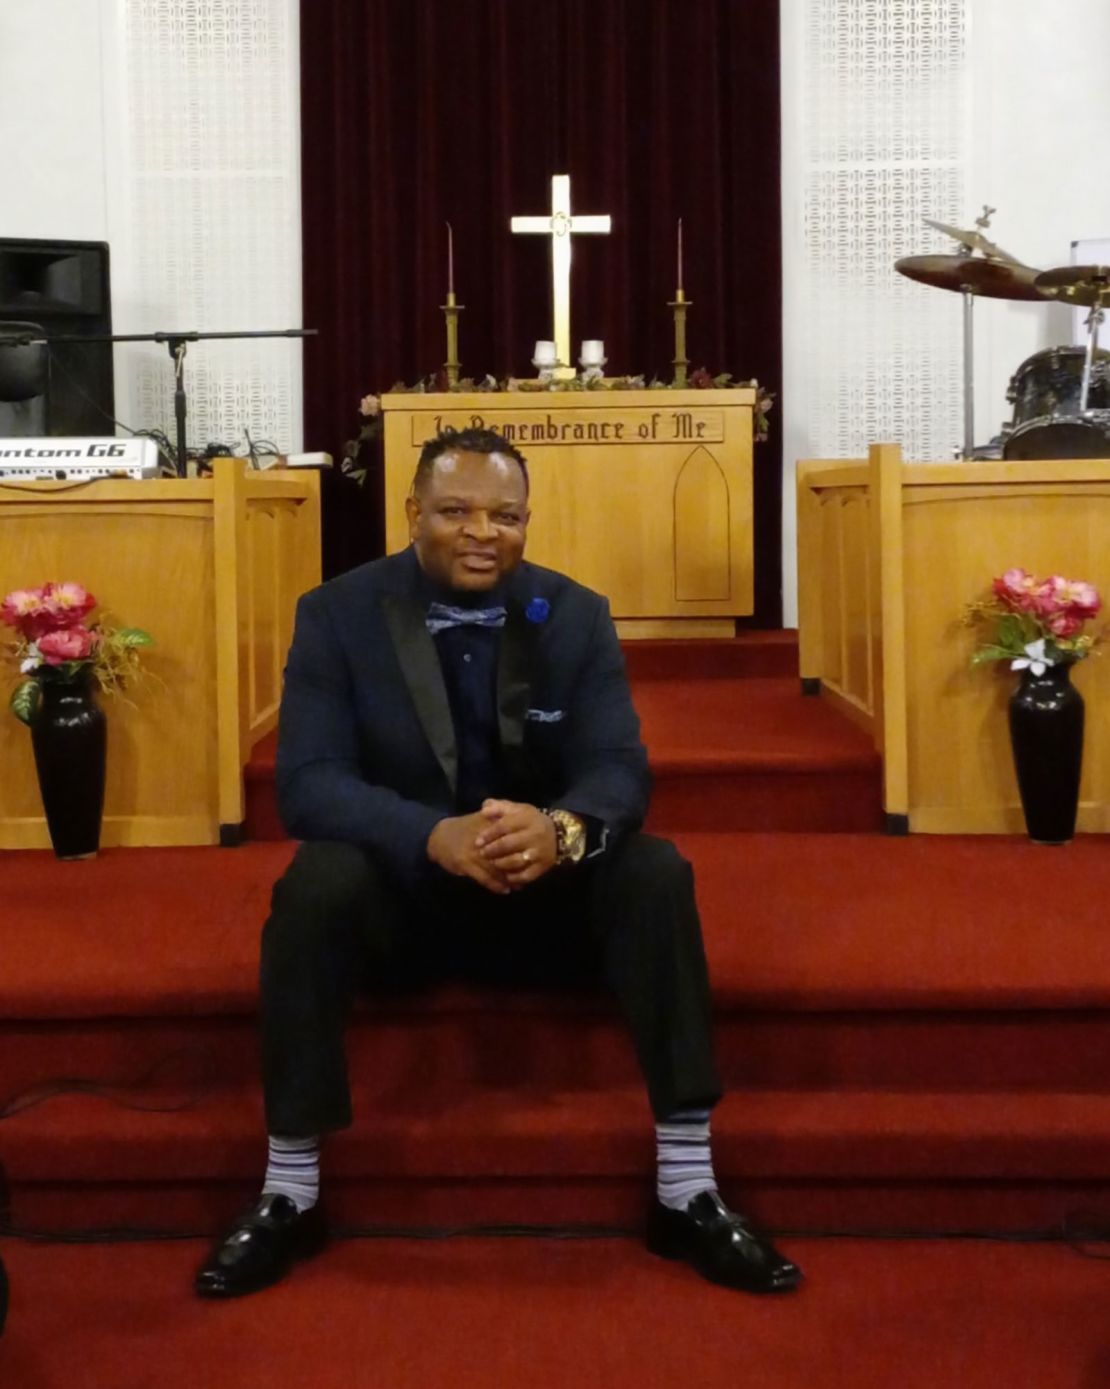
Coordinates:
339 925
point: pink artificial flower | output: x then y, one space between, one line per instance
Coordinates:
1064 624
1043 601
370 406
1075 596
23 609
67 644
68 603
1017 590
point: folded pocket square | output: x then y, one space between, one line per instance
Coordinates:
545 715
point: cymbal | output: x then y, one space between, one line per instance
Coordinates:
994 279
974 240
1085 285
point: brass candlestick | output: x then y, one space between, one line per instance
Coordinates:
451 312
678 305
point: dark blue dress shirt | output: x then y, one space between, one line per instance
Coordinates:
468 656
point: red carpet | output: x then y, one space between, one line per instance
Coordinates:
497 1314
904 1045
902 1048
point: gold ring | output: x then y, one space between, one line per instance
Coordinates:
526 855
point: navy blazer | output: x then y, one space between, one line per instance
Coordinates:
366 746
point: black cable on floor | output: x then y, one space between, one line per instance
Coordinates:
121 1092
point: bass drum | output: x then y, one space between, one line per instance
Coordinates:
1050 383
1061 436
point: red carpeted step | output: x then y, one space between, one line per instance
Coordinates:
933 1205
804 1161
755 754
135 932
261 819
748 654
472 1039
889 1019
728 750
432 1131
787 801
757 725
792 922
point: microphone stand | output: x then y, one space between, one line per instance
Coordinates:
177 344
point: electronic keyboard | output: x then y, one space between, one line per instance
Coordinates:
77 460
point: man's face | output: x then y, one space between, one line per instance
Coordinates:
469 521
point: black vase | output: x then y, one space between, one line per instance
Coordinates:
69 737
1046 731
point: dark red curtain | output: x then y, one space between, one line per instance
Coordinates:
420 112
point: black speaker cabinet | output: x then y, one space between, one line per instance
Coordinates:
62 287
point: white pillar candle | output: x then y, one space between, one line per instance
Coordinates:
593 352
544 354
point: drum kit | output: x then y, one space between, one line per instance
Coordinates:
1061 396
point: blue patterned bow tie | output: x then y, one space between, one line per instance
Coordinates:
441 617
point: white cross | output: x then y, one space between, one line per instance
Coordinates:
560 226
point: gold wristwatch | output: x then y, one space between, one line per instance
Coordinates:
570 836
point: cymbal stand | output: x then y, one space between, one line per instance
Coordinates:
1094 320
969 371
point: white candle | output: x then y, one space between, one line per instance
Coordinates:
544 354
593 352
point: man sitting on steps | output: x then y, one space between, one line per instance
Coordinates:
459 752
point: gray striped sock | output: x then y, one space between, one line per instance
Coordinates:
293 1170
684 1165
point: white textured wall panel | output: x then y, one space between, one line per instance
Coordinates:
1042 118
895 109
51 120
884 144
876 112
207 204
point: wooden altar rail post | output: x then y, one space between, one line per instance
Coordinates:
232 656
851 619
889 633
259 576
889 555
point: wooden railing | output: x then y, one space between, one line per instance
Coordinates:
212 569
889 555
267 553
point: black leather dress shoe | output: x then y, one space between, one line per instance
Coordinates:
261 1247
722 1246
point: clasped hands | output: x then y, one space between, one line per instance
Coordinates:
504 846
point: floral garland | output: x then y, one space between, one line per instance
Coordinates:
370 406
